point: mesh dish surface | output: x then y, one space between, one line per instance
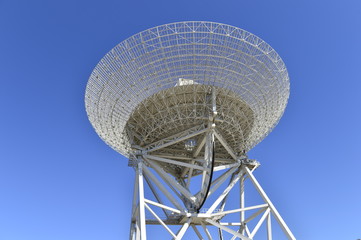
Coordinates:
128 84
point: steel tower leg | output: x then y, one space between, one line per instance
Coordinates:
138 222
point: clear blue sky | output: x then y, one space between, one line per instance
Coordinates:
59 181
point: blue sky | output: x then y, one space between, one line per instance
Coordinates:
58 180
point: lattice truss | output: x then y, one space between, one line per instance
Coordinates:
181 210
156 83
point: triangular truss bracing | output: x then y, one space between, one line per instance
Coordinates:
173 206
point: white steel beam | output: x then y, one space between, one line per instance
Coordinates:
208 165
265 214
247 231
137 236
183 229
214 223
206 231
239 210
183 164
161 187
197 232
214 103
242 203
159 220
162 206
269 227
225 145
174 157
199 147
250 218
277 216
225 193
171 181
143 233
222 167
230 223
218 181
135 196
133 220
190 174
154 191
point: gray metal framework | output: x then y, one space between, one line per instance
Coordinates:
183 101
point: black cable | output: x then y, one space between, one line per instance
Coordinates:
210 179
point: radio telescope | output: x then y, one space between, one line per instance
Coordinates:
185 102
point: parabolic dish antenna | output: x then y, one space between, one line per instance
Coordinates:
187 99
